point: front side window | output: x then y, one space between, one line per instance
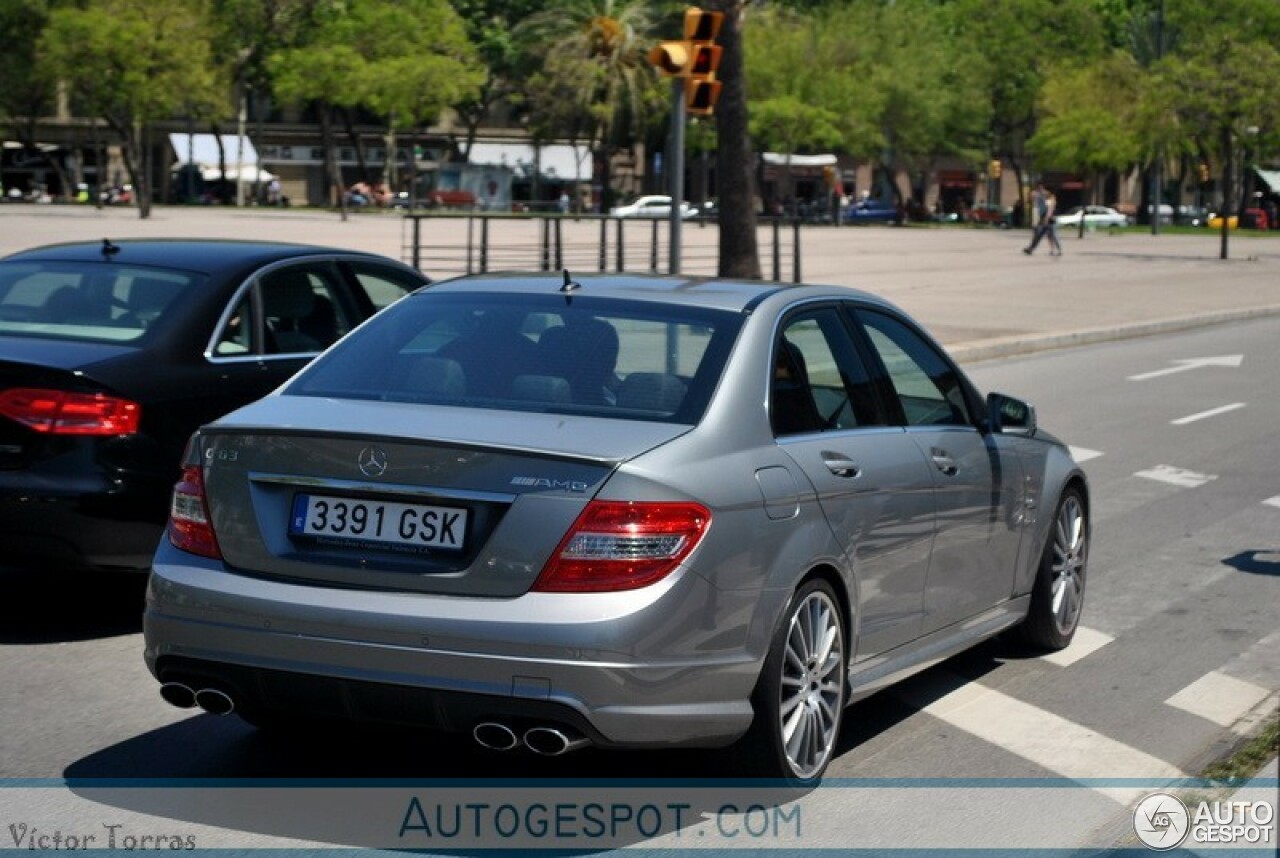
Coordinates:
928 388
601 357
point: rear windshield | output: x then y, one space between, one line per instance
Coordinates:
72 301
600 357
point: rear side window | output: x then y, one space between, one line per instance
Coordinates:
599 357
72 301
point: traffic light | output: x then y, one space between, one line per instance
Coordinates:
995 168
695 58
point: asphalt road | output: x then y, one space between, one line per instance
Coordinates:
1175 659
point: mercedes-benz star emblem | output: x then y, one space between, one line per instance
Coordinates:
372 461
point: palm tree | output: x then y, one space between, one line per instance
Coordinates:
591 79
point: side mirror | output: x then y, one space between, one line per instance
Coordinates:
1010 416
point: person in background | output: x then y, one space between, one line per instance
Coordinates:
1044 204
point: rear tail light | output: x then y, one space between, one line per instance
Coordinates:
189 526
615 545
59 412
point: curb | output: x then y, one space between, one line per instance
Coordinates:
982 350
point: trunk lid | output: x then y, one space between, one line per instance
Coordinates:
394 496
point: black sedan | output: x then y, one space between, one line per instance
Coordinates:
111 354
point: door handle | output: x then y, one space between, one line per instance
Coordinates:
841 465
945 463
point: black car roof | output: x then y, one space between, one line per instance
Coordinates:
189 254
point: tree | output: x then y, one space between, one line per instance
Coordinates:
592 80
735 155
490 25
1092 116
404 60
26 95
132 62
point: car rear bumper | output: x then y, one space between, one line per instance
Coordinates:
77 531
639 671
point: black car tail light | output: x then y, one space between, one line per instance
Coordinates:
189 526
617 545
60 412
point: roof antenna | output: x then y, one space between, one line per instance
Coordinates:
109 249
570 285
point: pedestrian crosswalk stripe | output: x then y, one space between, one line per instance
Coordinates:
1219 698
1275 501
1084 454
1086 642
1067 749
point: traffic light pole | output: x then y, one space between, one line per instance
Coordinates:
675 164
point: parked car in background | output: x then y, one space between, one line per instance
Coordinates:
111 354
652 206
1191 215
1094 217
990 214
873 211
626 511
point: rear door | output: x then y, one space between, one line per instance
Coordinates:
871 482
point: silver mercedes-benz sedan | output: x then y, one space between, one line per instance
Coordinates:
623 511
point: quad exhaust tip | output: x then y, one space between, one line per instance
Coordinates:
211 700
495 736
547 741
552 741
177 694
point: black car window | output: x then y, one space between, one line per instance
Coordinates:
383 284
304 308
525 352
927 386
87 301
819 384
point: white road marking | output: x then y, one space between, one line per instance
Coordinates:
1275 501
1212 412
1193 363
1086 642
1050 741
1084 454
1176 476
1219 698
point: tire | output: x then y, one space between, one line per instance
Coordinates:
1058 594
800 696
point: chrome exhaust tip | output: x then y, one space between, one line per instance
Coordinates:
494 736
552 741
215 702
177 694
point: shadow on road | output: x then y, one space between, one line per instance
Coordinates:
38 607
1256 562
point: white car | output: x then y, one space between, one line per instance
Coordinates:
652 206
1094 216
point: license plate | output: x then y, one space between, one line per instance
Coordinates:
396 524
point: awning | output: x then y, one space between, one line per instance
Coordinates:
202 150
1271 178
783 160
555 160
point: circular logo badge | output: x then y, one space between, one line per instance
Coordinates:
372 461
1161 821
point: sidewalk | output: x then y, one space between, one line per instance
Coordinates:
972 288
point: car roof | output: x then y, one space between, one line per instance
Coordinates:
190 254
709 292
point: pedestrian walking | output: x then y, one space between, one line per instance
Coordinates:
1045 205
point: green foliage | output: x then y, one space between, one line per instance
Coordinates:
591 76
403 59
133 61
1092 116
